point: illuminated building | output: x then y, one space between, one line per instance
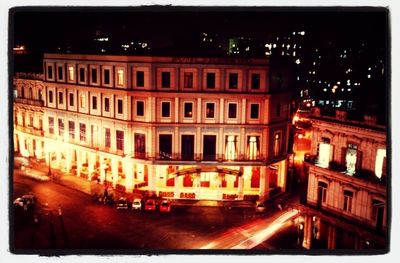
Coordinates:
347 183
181 127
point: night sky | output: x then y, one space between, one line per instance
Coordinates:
42 28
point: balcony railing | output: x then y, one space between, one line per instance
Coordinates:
23 75
338 167
30 130
33 102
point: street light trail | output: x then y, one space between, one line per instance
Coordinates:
267 232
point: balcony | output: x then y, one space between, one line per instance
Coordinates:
30 129
334 166
33 102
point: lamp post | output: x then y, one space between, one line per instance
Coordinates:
49 172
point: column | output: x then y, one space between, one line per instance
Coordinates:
176 115
176 152
240 187
128 163
153 140
264 184
197 148
242 146
267 110
307 231
196 184
151 177
221 110
220 143
58 156
78 163
332 237
198 110
68 160
282 172
103 167
91 162
114 171
243 115
176 186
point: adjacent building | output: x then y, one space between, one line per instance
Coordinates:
180 127
347 186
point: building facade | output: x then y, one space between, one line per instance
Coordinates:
347 183
199 128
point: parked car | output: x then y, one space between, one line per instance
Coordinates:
137 204
22 163
122 203
261 208
165 206
150 205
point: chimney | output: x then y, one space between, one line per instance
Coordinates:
341 115
369 119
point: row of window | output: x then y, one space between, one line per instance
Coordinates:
91 75
188 107
348 197
166 140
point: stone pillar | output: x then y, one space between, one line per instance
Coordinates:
128 163
78 163
68 160
91 163
114 171
221 110
240 187
176 187
308 224
332 237
153 142
176 115
197 149
176 151
198 110
242 146
264 184
244 110
151 177
220 144
59 157
103 167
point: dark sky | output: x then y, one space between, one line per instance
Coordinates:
46 27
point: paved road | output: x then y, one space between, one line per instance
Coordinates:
86 224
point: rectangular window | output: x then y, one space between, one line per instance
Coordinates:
94 75
140 145
165 79
120 77
187 147
253 147
120 140
255 81
49 72
351 158
165 109
94 103
51 125
119 106
107 137
82 75
322 191
233 80
60 72
210 110
324 152
107 76
71 99
71 75
231 149
232 110
188 109
254 111
83 100
210 80
140 108
277 144
50 96
60 98
139 78
106 104
82 132
71 129
209 147
61 127
188 80
165 145
348 200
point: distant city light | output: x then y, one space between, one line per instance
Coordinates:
325 89
348 89
369 76
298 61
302 33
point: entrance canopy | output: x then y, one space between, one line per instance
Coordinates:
198 170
